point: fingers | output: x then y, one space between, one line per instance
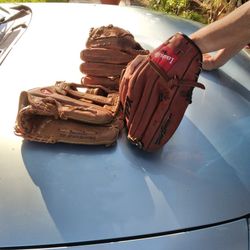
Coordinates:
215 61
208 62
133 65
220 57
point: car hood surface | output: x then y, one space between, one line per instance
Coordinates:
62 193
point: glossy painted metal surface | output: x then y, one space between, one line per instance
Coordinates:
56 194
248 232
229 236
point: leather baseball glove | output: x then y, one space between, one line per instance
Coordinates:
63 113
156 96
108 51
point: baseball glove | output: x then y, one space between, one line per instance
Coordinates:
155 97
108 51
63 113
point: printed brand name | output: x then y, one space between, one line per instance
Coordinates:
164 56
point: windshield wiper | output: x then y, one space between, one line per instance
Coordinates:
12 27
23 11
4 10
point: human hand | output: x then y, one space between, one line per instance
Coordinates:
222 56
215 61
208 62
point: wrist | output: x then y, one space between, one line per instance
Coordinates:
198 41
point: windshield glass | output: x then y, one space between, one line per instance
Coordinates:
14 20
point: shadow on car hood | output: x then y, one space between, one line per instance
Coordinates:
57 194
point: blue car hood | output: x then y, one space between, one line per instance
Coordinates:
56 194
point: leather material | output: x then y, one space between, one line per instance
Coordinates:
62 113
108 51
158 93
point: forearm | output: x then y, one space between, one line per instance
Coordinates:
232 30
225 54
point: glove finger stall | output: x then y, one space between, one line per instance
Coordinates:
102 55
101 69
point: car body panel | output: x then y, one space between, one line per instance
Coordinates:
62 193
229 236
248 221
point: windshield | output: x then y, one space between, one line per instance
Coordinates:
13 22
